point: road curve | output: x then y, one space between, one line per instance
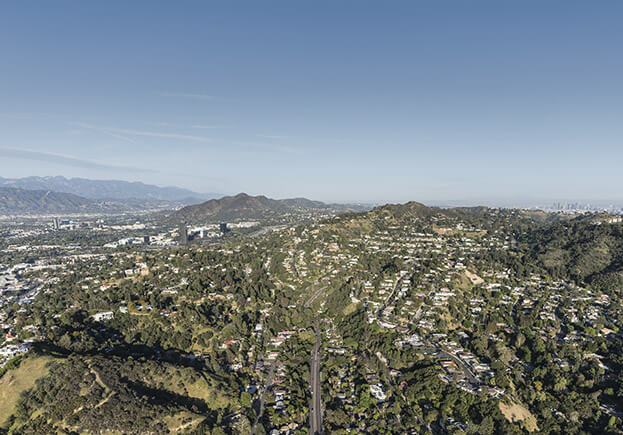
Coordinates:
315 406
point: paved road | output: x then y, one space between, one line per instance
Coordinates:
389 297
265 230
470 375
258 404
314 295
315 406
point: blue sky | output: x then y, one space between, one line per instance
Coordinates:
333 100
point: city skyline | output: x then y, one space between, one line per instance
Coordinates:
336 101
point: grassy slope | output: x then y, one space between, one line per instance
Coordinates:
17 381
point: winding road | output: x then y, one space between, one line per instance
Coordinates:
315 406
259 403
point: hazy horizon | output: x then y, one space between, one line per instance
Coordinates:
334 101
522 202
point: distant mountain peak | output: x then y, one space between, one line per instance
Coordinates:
243 206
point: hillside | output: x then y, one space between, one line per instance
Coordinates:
465 306
105 189
411 208
82 395
585 249
243 206
17 381
16 201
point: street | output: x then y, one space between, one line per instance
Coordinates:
315 407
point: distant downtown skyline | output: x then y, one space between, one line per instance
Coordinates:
482 101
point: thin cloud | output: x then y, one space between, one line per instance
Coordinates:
187 95
157 134
60 159
273 136
207 127
261 146
105 131
282 137
128 134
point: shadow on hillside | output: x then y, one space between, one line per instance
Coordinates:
103 340
162 397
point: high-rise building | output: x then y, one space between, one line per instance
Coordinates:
183 235
56 224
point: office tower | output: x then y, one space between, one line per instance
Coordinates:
183 235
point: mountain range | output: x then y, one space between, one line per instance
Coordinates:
22 201
106 189
248 207
78 195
